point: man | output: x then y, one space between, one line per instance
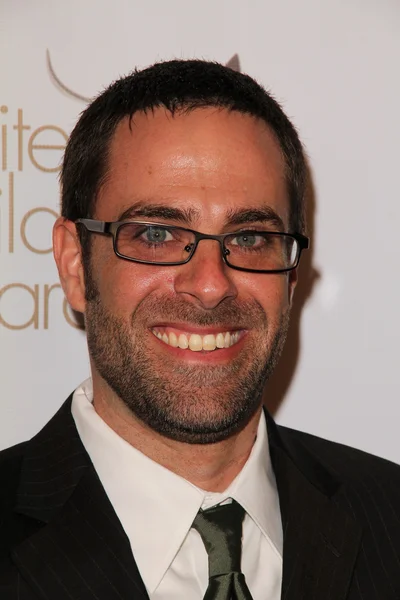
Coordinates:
161 477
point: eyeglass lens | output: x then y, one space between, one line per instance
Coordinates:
248 250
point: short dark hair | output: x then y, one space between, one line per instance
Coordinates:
177 85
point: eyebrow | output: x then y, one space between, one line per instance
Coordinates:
265 214
189 216
160 211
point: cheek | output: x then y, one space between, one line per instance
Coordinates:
123 285
272 292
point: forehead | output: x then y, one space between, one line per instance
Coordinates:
209 160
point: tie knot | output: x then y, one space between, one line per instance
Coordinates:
220 528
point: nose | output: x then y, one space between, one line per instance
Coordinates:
206 278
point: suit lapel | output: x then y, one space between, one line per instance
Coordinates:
321 541
80 549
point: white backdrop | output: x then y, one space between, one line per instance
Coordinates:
335 68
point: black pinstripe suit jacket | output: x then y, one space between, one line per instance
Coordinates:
60 538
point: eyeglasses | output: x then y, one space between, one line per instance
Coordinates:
160 244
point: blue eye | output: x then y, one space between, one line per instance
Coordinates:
245 241
156 235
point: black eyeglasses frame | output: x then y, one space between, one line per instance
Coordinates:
111 228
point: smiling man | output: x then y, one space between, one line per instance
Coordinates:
162 477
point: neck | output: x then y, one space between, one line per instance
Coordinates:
211 467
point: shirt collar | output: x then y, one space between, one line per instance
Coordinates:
254 488
155 506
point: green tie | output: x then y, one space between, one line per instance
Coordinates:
220 528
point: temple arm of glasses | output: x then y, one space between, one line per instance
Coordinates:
304 241
93 225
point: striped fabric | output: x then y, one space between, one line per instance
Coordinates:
60 538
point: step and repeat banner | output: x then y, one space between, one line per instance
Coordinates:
335 68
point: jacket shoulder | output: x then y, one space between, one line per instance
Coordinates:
11 525
350 465
10 469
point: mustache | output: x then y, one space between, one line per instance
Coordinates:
230 313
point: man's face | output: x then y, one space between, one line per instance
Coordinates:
213 171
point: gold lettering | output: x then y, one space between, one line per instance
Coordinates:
20 127
11 212
34 320
32 146
47 291
70 320
4 110
23 228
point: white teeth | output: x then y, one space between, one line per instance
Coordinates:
220 341
209 342
183 341
173 340
196 342
227 339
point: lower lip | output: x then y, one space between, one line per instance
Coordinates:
203 356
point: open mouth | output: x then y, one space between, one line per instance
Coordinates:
196 342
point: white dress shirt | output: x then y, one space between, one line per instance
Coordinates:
156 508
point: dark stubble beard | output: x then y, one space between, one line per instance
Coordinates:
191 403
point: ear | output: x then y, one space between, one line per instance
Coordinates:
68 257
292 282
